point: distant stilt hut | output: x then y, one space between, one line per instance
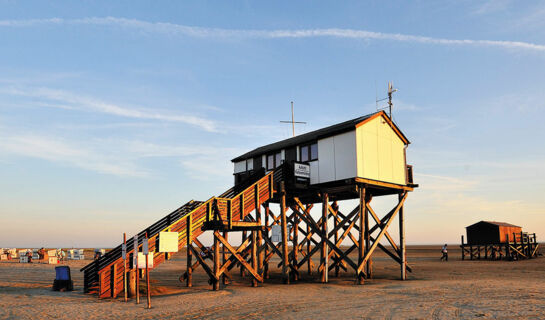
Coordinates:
498 240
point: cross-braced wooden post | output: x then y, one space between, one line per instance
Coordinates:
189 252
324 258
285 267
402 239
216 284
362 227
266 262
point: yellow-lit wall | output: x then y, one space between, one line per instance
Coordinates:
380 153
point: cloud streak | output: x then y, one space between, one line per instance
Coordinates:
201 32
73 101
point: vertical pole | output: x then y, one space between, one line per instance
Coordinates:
402 241
216 283
324 253
507 246
367 238
361 249
147 281
515 244
309 260
462 246
137 276
285 268
189 239
259 232
224 257
266 266
242 270
295 245
125 267
335 223
254 256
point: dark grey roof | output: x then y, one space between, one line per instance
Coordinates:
305 138
497 223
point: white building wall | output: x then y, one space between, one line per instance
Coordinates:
345 155
326 158
336 158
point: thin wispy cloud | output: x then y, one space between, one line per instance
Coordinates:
69 100
173 29
113 156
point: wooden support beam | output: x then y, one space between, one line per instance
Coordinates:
260 232
254 257
361 248
308 257
266 264
216 284
324 258
402 197
389 220
206 268
295 246
367 235
336 237
231 261
252 271
189 252
308 220
224 257
285 269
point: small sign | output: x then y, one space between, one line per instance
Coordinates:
145 248
124 251
168 241
276 235
142 260
301 170
135 247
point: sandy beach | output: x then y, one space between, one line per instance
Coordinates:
435 290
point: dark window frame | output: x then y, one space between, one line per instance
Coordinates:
309 151
274 156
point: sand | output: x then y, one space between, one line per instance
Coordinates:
435 290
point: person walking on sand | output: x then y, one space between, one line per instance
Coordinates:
445 253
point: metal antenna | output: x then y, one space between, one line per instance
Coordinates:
293 122
390 91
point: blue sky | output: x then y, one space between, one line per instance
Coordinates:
114 114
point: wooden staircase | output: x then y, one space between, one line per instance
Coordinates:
104 276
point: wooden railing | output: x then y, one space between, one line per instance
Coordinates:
105 276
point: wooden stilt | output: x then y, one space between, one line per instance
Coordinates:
336 235
463 249
324 257
285 268
254 256
295 246
216 284
259 232
224 257
367 237
402 241
361 243
189 240
266 263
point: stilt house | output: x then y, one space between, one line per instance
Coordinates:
370 147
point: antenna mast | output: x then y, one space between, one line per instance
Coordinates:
293 122
390 103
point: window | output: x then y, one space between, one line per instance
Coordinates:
250 164
274 160
309 152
